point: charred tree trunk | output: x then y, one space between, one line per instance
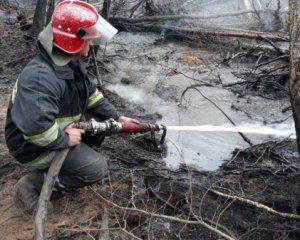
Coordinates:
105 9
149 7
39 19
294 9
51 5
143 25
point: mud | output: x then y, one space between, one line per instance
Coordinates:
160 70
150 70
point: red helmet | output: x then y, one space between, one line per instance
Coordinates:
73 22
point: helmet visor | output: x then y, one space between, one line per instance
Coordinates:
101 32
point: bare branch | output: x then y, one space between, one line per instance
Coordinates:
200 85
256 204
154 215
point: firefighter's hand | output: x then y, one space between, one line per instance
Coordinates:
74 135
123 119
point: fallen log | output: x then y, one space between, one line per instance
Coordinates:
186 17
196 32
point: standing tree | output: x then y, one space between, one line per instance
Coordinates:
42 16
51 6
294 17
39 19
105 9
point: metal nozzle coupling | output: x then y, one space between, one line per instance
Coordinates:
111 126
93 127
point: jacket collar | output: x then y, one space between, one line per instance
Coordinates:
63 72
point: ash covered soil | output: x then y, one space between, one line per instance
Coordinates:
140 183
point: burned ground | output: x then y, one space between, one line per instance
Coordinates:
142 197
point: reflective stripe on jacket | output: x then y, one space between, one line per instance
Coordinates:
45 99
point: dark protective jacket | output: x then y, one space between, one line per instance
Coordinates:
45 99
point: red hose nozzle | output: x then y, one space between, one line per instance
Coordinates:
139 128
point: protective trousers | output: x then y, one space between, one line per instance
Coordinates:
83 166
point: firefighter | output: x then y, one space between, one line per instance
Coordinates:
51 93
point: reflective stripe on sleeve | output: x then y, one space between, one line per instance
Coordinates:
45 138
14 91
64 121
94 98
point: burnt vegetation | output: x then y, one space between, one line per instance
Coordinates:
253 195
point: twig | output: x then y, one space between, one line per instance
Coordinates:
200 85
206 220
157 196
149 229
233 158
273 45
256 204
104 225
187 76
273 60
276 69
99 80
135 7
199 222
256 229
222 212
101 230
9 218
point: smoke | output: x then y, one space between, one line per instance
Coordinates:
264 15
129 93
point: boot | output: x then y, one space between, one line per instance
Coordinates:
28 189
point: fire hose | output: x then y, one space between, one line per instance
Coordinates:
95 128
110 127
